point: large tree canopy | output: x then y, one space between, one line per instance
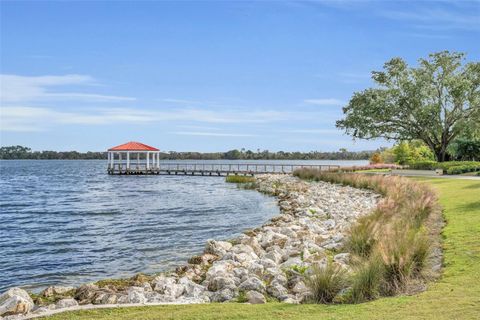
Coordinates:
433 102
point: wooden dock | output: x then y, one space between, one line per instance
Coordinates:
209 169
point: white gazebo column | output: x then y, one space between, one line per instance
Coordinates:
158 160
128 160
138 160
108 159
148 160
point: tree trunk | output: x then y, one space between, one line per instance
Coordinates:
441 154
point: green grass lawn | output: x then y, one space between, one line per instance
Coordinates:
455 296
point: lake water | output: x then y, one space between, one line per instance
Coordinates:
68 222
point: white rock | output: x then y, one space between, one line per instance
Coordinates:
276 290
161 282
256 268
342 258
255 297
267 263
294 261
223 295
218 248
299 288
56 290
136 295
219 283
220 268
15 301
192 289
274 256
252 283
66 303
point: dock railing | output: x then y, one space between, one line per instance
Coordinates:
217 169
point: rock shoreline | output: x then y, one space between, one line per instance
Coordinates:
268 262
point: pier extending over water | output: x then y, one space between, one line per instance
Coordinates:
208 169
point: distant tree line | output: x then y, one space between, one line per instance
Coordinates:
20 152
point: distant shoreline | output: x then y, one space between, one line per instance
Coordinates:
25 153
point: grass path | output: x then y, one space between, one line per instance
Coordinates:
455 296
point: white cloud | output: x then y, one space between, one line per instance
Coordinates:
16 118
26 118
180 101
211 134
325 102
438 18
23 89
316 131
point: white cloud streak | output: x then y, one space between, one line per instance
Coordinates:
438 18
25 89
211 134
26 118
325 102
316 131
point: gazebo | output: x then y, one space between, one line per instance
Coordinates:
147 158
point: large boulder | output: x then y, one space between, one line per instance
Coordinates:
220 268
223 295
271 238
256 268
15 301
253 243
168 286
252 283
274 256
66 303
292 262
276 290
86 293
255 297
136 295
105 298
192 290
218 248
219 283
57 290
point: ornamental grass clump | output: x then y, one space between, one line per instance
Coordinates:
367 281
325 283
392 246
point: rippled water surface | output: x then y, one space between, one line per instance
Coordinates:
68 222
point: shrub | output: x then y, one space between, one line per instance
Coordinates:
239 179
367 281
463 169
423 165
447 165
242 297
375 158
325 283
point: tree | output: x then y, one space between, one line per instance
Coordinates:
376 158
402 153
432 103
233 154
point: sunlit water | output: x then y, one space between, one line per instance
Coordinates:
68 222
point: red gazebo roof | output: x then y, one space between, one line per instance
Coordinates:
133 146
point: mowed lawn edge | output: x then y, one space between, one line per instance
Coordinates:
456 295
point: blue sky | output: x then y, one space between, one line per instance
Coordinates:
207 76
